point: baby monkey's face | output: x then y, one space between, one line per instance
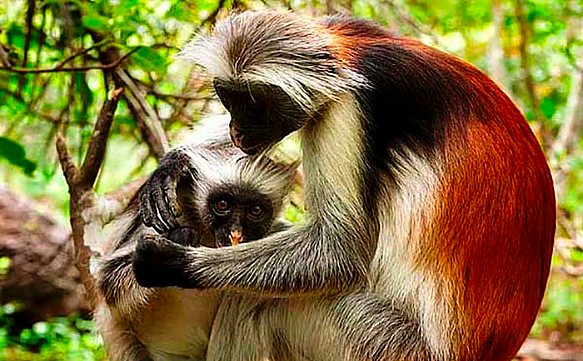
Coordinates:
239 215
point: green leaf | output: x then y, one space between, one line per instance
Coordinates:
15 36
15 154
548 107
180 12
150 60
4 265
125 7
207 5
96 22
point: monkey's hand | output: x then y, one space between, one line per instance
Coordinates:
157 262
159 206
185 236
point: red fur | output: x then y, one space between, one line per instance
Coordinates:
492 237
494 233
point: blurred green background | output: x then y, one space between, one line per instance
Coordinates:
56 57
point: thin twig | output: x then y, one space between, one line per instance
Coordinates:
70 69
79 53
176 96
147 118
70 170
27 37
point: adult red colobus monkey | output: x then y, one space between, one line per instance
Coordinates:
431 207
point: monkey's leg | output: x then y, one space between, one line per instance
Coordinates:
121 343
123 301
252 328
378 329
249 328
117 284
236 334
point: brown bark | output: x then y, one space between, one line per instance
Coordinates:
81 181
42 275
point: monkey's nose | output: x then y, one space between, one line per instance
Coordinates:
237 136
236 237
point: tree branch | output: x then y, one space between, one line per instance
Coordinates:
98 142
60 69
83 52
82 198
70 170
147 118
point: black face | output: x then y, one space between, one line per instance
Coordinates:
261 115
239 214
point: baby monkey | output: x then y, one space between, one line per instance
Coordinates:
225 198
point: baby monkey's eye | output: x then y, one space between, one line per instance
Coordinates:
256 213
222 207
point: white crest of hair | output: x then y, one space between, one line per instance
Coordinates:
395 272
237 168
275 48
268 177
210 130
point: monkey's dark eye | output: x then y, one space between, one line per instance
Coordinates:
222 207
256 213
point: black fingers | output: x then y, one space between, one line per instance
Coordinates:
159 262
159 206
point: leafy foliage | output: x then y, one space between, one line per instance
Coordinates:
15 154
70 338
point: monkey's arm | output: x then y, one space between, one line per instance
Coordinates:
117 283
303 259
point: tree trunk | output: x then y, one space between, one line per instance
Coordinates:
41 275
